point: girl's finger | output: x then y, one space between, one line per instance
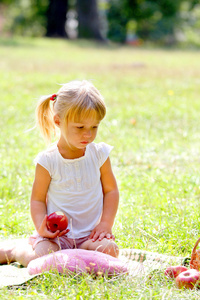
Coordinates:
91 234
108 236
95 237
63 232
113 237
102 236
53 235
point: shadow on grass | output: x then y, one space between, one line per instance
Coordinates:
16 42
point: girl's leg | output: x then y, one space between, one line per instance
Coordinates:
25 255
106 246
22 252
7 248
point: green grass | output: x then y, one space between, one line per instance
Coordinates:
156 161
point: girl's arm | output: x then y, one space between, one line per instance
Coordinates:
110 203
38 202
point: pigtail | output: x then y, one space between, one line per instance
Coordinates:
44 118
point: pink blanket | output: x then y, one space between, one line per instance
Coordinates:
78 261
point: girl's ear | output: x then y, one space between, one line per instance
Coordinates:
57 120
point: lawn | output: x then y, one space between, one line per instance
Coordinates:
152 96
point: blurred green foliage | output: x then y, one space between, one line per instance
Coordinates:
163 20
25 17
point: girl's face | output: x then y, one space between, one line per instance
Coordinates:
80 133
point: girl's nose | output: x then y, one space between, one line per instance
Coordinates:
87 133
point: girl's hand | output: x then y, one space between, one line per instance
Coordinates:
61 233
44 232
101 231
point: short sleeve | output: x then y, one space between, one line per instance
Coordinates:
42 159
103 152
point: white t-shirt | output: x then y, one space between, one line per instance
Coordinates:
75 186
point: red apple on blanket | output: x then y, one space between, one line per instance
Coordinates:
188 279
174 271
57 221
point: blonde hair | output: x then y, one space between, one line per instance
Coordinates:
74 101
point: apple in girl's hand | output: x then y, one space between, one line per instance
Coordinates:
174 271
188 279
57 221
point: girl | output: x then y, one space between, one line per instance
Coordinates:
73 176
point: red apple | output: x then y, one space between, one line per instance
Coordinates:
57 221
174 271
188 279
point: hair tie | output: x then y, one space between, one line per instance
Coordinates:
53 97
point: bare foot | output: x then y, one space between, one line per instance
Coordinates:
6 251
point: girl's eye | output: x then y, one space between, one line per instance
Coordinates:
81 127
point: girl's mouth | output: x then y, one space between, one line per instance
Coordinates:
84 143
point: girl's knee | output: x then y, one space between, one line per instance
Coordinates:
46 247
106 246
111 249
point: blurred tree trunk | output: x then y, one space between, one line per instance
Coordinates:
88 20
56 18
